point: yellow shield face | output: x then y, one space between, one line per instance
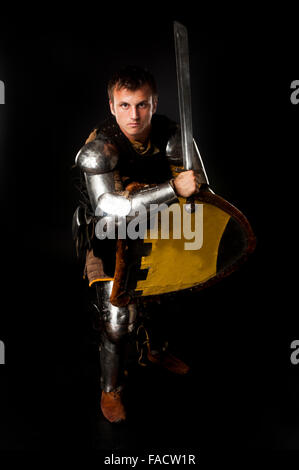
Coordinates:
177 262
183 250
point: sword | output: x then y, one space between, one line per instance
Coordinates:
191 156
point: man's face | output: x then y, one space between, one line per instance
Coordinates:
133 111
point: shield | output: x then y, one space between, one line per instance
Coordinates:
157 265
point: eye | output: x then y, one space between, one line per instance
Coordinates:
142 105
124 105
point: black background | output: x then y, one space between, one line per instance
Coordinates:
242 393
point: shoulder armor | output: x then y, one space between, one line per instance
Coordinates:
174 154
97 157
174 148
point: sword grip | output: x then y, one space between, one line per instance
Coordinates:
190 205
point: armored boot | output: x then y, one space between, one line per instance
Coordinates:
111 357
152 345
112 406
168 361
158 354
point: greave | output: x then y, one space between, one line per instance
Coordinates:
112 362
118 323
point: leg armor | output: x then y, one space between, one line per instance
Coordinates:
118 323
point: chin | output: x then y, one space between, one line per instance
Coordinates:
135 135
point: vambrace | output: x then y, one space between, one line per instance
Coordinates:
115 210
120 206
98 159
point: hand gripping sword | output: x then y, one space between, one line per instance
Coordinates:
191 156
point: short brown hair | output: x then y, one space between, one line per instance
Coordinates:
132 78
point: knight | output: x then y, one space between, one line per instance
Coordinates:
125 164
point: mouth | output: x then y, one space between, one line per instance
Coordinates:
133 124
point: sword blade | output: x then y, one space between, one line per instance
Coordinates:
184 92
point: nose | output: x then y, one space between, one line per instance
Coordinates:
134 113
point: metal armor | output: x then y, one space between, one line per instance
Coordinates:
98 159
174 154
119 322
